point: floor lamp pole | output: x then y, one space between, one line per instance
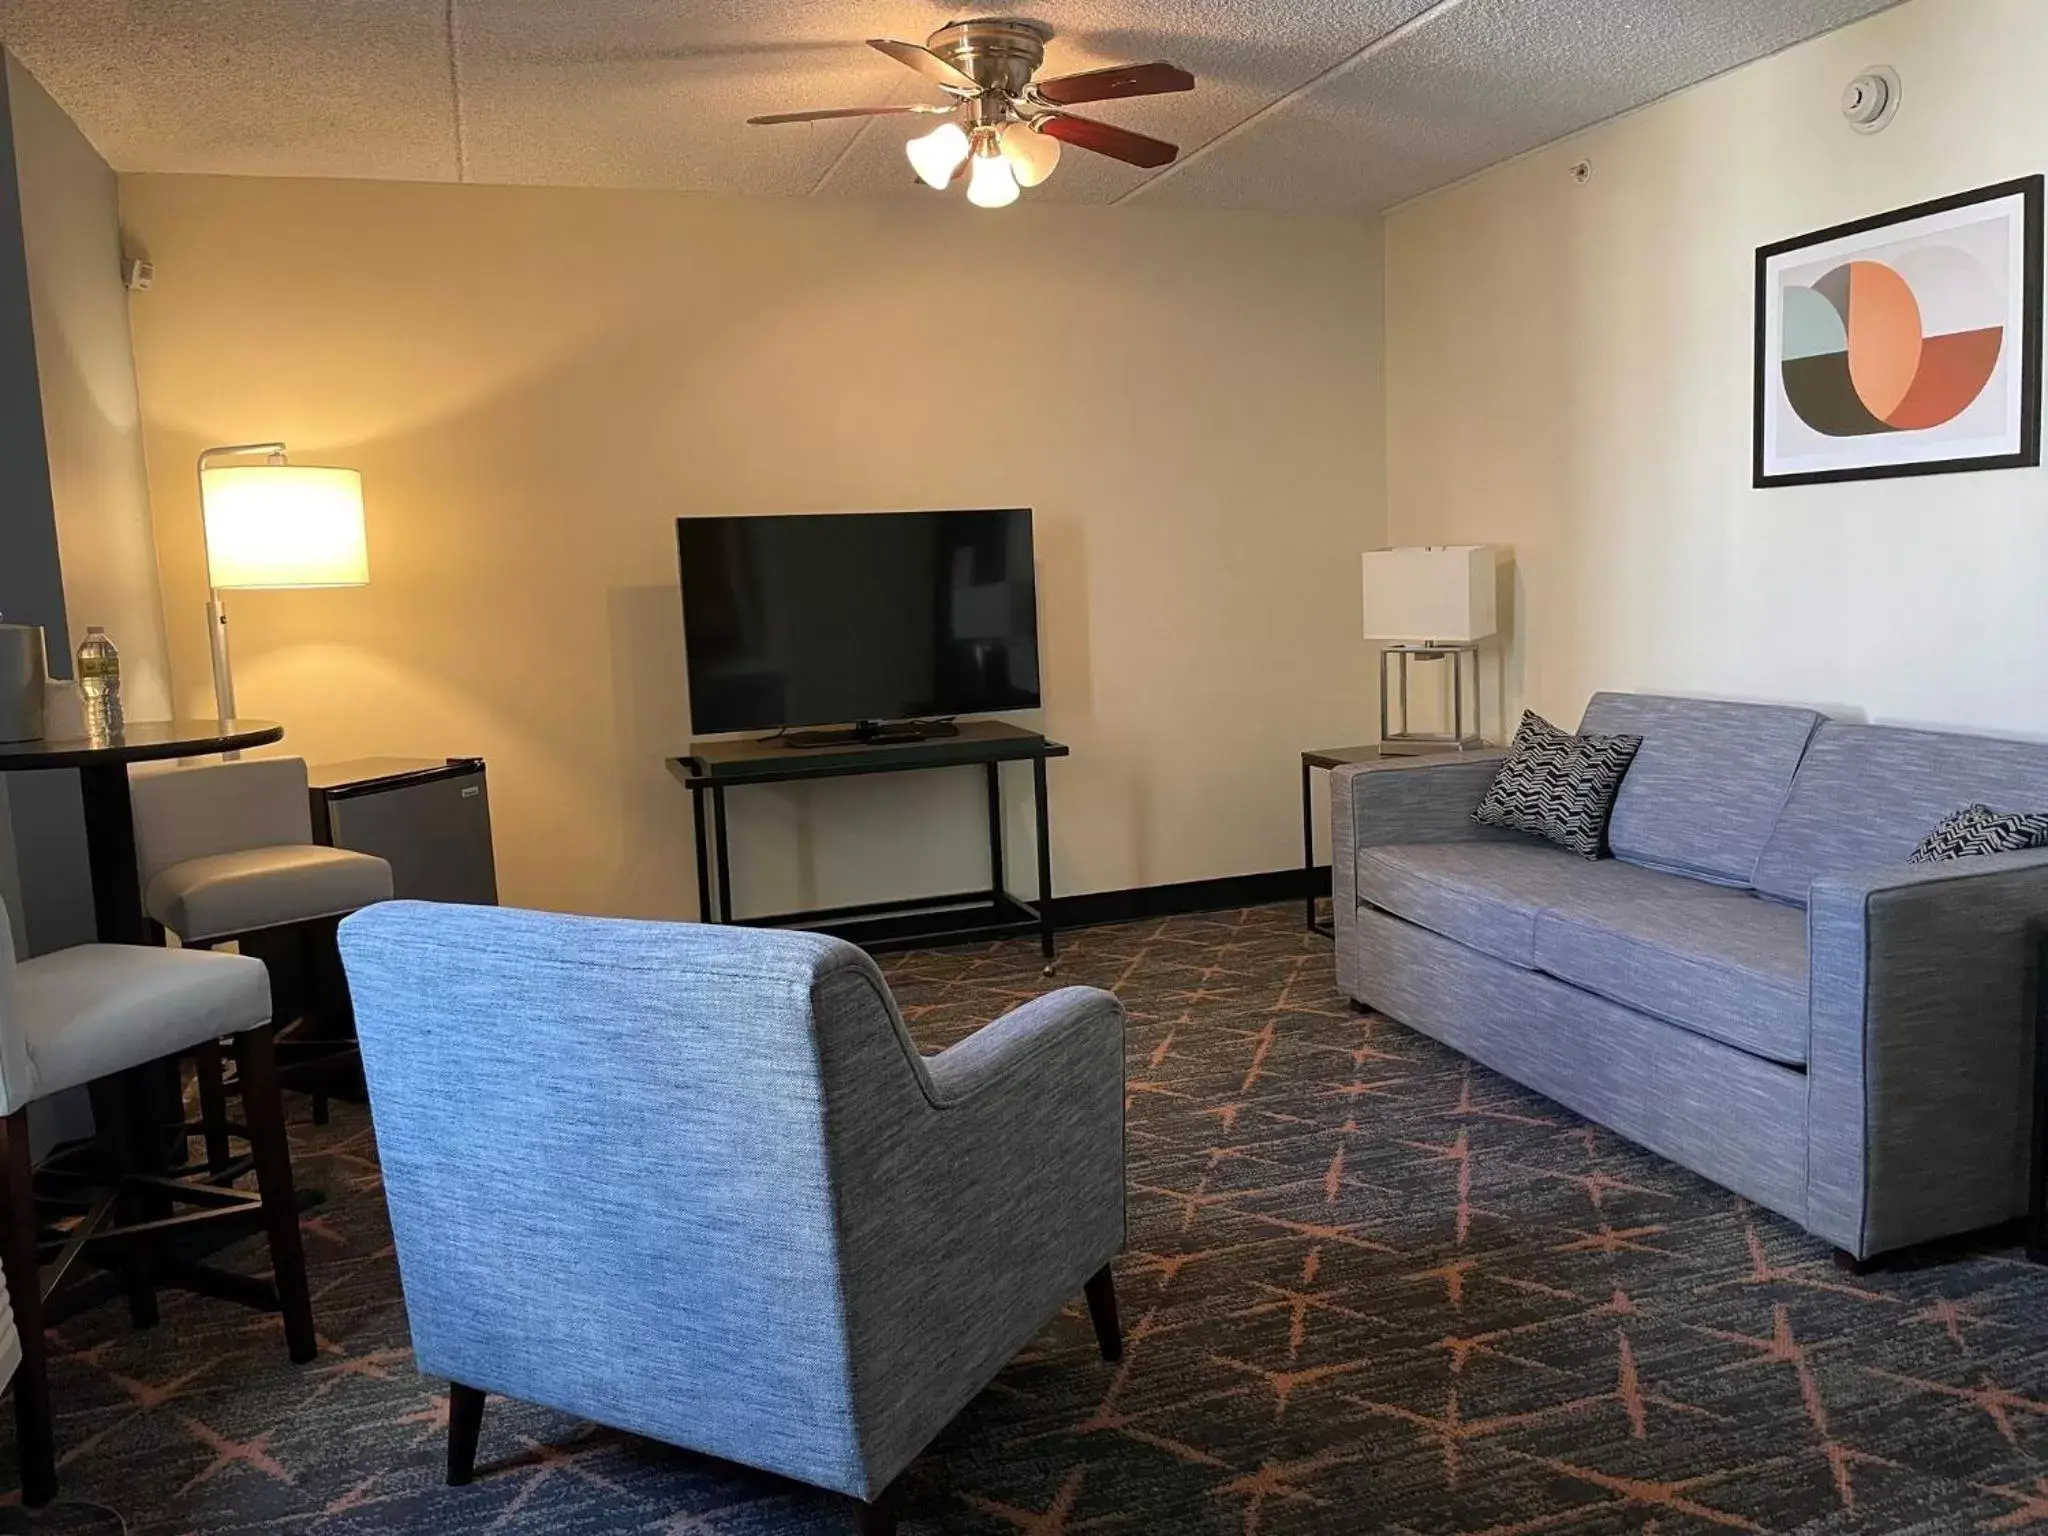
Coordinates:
216 615
223 674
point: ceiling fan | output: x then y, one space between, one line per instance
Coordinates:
1002 127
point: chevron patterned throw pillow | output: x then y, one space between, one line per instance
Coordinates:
1558 786
1979 829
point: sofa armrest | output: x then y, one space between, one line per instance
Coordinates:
1920 1047
1397 800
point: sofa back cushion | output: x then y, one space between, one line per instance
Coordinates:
1867 794
1707 784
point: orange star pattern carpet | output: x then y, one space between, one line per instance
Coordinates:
1370 1287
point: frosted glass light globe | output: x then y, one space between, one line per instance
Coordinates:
990 181
935 156
1032 155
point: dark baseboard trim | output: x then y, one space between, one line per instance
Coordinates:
1220 895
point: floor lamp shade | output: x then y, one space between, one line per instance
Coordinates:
284 525
1443 593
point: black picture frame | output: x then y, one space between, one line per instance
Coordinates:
2030 188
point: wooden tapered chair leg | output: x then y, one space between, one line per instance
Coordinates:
209 1065
878 1516
465 1423
1109 1332
21 1262
263 1108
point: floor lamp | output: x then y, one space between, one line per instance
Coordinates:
274 524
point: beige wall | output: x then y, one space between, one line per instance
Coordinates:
536 383
1569 374
86 367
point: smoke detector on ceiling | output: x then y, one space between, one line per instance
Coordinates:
1872 99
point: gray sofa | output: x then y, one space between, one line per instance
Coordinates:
1758 985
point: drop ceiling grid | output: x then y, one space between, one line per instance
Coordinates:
1319 104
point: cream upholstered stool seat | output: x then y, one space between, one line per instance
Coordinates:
102 1014
223 895
226 855
90 1012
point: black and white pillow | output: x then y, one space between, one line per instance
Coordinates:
1558 786
1979 829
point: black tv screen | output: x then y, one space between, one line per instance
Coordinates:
845 617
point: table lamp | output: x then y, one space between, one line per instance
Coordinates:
1436 603
274 524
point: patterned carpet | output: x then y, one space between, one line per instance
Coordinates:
1369 1287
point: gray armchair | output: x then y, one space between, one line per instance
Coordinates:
696 1182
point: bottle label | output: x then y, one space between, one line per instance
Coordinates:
98 669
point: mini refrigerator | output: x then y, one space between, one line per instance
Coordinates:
430 820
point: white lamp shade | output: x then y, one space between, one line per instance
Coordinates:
1443 592
284 525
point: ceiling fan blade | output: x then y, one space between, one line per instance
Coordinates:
1117 80
831 112
1117 143
926 63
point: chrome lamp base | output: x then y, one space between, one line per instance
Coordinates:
1463 736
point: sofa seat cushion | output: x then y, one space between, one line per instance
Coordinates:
1488 895
1733 969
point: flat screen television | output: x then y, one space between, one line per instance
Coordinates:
863 618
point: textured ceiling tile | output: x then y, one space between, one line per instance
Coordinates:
248 87
1478 82
655 93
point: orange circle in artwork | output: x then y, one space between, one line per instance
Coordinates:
1884 337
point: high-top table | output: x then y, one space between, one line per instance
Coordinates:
102 767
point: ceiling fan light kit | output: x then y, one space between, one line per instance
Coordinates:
1004 126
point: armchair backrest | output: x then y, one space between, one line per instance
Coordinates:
189 811
608 1149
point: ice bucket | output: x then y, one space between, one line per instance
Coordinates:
24 674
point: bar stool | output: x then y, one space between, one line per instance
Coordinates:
226 854
101 1013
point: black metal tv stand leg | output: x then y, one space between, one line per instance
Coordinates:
997 882
1045 939
704 913
724 861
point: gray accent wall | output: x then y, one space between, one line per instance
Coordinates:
76 546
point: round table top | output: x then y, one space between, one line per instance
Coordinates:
141 741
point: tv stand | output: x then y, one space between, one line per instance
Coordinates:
865 733
990 912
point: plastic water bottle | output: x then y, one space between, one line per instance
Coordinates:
99 683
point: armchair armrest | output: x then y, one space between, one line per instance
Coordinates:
1054 1032
1398 800
1919 1049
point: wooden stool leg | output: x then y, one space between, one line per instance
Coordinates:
263 1106
465 1423
21 1262
118 1130
209 1065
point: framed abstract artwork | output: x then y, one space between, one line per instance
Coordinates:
1906 344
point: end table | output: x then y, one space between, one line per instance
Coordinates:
1324 758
